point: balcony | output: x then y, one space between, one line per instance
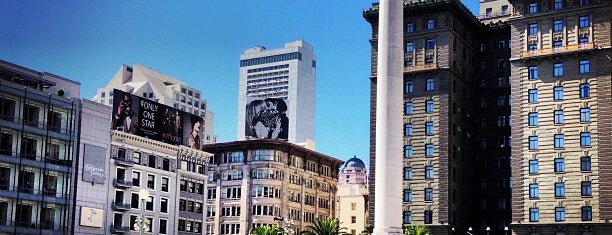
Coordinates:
422 67
119 206
123 161
557 50
117 228
122 183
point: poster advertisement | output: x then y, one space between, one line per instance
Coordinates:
266 118
147 118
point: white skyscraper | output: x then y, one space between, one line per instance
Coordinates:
276 95
145 82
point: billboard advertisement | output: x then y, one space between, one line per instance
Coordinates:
266 118
147 118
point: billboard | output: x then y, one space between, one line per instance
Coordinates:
147 118
266 118
94 164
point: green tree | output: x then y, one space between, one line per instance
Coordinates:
267 230
416 230
329 226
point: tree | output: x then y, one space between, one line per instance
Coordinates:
416 230
267 230
329 226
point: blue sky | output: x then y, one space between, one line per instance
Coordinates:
200 42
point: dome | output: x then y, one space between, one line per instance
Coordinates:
354 162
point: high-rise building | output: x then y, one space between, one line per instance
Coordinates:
38 143
352 195
276 93
153 85
536 74
268 182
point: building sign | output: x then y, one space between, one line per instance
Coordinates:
94 164
266 118
91 217
147 118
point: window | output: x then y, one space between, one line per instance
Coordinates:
151 162
149 203
533 142
559 214
557 69
585 90
533 95
407 195
428 194
585 164
533 119
501 121
429 106
585 114
431 24
559 142
429 150
557 25
431 44
408 108
533 166
163 224
587 213
533 72
557 44
534 191
583 21
428 216
585 66
408 151
163 205
429 128
410 47
585 189
429 172
135 178
501 101
585 139
136 158
558 4
533 47
559 117
534 214
151 181
533 29
164 184
407 217
560 189
429 84
408 129
407 173
409 87
504 9
559 165
583 40
558 93
584 2
533 7
410 27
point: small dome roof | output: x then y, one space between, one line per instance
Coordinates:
354 162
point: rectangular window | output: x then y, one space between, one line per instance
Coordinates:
151 162
428 216
407 217
533 119
409 87
429 194
559 141
409 47
585 90
533 142
407 173
587 213
504 9
585 139
533 167
557 25
533 72
429 172
585 66
151 181
408 151
533 29
558 4
585 114
534 191
559 189
534 214
164 184
163 205
149 203
407 195
429 106
429 84
557 45
585 164
559 117
431 44
429 128
410 27
559 214
533 95
533 7
585 189
431 24
501 101
429 150
583 41
558 93
135 178
558 69
559 164
408 108
408 129
583 21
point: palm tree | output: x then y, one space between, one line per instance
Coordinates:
267 230
416 230
329 226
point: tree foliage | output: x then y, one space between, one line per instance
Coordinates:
329 226
416 230
267 230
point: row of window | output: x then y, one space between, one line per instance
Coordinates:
559 165
583 22
407 218
409 107
190 206
429 85
191 187
586 189
559 117
584 67
429 150
558 93
560 214
162 226
34 114
534 7
431 24
149 203
189 226
428 172
272 155
429 129
585 141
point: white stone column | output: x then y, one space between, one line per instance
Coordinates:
389 108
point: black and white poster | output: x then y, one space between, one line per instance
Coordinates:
266 118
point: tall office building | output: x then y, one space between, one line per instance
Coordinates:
281 81
537 74
153 85
38 144
352 209
254 182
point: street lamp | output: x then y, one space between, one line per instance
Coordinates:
506 230
469 231
142 223
488 229
453 231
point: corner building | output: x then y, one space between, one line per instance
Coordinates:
252 182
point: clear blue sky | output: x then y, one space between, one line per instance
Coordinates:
200 42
